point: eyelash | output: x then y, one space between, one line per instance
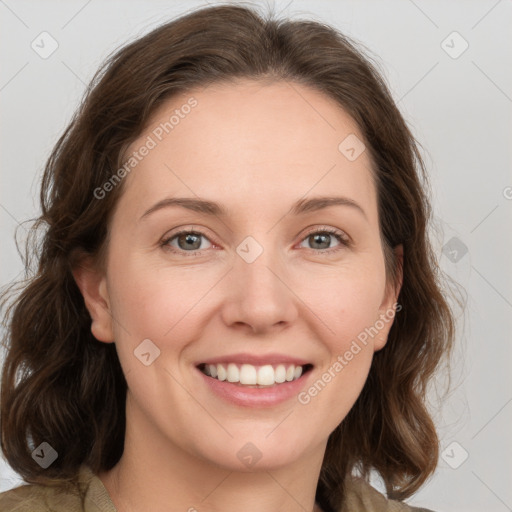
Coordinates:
344 240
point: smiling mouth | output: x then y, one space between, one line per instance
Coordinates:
249 375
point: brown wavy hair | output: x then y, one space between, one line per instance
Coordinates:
62 386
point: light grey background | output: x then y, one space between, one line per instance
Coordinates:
459 109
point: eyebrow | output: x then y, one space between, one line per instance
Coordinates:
215 209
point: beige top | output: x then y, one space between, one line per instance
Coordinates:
360 497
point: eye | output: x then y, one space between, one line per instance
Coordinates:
321 239
186 242
189 243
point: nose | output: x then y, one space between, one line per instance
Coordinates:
258 297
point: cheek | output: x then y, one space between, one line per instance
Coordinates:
142 294
347 302
139 307
352 312
165 305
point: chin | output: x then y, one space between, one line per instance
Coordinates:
248 454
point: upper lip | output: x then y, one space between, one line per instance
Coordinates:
256 360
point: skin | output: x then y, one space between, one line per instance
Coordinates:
255 148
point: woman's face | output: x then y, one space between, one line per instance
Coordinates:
258 276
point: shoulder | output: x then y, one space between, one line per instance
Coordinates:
89 496
38 498
360 496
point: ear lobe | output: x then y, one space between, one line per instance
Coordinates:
387 308
93 286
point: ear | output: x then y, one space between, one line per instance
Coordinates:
387 309
93 285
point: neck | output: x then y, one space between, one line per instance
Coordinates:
154 474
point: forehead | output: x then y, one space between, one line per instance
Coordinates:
248 144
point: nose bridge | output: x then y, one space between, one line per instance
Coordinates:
256 267
259 296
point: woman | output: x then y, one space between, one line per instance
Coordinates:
237 304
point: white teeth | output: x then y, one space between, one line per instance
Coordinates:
280 374
265 375
233 373
221 372
250 375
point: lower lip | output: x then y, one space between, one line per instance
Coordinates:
256 397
